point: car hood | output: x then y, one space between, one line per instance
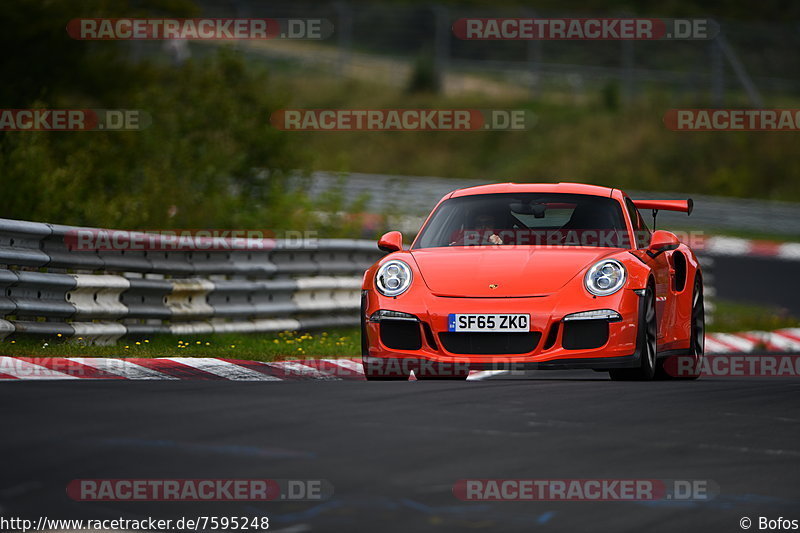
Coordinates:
518 271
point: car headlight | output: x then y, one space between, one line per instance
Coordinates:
393 278
605 277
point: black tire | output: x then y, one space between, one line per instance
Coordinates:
647 338
697 339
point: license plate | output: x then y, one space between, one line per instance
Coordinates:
479 322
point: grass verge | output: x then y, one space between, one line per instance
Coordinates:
730 317
266 347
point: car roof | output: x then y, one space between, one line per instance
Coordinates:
563 188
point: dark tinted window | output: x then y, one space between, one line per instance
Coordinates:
532 219
640 229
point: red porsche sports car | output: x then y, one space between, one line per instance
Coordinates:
540 276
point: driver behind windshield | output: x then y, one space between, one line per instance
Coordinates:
527 219
481 230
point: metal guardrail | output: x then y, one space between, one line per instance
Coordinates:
47 288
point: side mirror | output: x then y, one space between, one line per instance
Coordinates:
662 241
391 242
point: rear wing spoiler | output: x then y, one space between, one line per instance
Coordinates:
684 206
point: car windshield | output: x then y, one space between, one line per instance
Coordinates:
528 219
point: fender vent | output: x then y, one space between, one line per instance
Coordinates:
679 264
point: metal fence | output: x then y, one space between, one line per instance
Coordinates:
406 200
410 198
747 63
48 287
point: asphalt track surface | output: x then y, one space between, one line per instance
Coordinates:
394 450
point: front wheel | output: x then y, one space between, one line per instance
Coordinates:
648 329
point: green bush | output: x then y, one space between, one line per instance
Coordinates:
424 78
195 165
208 159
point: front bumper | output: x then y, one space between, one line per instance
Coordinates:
558 344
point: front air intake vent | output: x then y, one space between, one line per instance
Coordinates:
584 334
489 343
401 334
